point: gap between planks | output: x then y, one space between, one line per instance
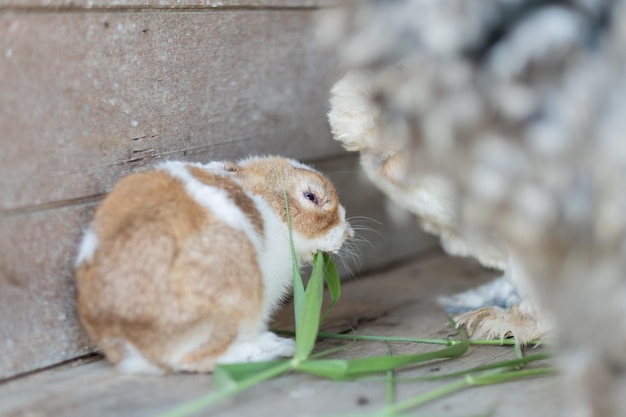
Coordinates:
97 198
58 9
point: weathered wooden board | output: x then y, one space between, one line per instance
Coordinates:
29 5
38 324
399 302
87 98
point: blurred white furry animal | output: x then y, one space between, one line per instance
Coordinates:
500 124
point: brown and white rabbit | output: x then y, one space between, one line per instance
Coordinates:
183 265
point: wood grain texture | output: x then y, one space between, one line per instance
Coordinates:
52 5
91 97
38 324
399 302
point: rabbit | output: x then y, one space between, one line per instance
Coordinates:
183 265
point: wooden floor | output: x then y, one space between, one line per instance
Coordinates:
400 301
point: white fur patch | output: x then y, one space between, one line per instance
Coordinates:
295 163
298 164
274 259
214 167
88 246
215 200
265 347
135 363
331 241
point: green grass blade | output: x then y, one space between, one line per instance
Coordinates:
510 364
498 378
298 293
236 372
233 388
353 336
369 365
298 285
518 349
429 396
222 379
390 392
331 350
494 377
307 328
328 368
505 342
342 369
333 284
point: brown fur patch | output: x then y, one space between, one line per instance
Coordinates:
270 179
167 276
235 193
313 221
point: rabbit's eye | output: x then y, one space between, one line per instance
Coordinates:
311 197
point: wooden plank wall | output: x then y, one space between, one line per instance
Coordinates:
93 90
